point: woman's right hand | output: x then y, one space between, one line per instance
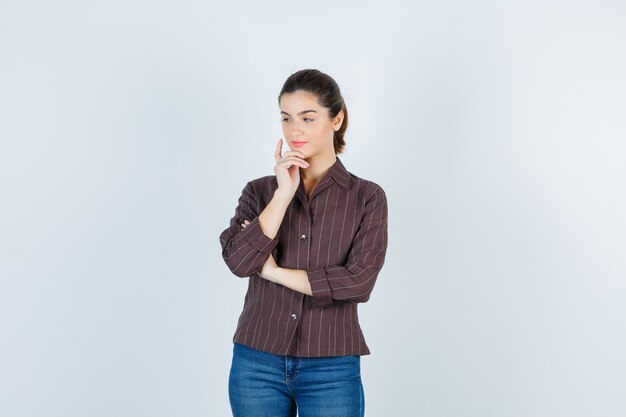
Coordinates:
287 169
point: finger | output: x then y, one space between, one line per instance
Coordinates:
296 159
296 153
290 161
279 146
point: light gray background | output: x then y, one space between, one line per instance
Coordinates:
497 129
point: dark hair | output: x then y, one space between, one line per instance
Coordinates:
327 93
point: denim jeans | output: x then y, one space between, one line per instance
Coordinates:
262 384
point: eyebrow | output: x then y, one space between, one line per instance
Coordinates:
302 112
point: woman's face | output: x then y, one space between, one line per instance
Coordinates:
305 121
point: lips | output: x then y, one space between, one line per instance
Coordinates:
298 143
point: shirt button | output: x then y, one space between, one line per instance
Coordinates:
293 316
303 237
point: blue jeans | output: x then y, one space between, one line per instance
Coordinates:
262 384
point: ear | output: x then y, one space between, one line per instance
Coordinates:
338 121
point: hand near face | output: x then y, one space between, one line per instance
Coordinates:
287 168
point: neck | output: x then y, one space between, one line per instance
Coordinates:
319 165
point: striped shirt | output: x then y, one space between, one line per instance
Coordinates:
338 236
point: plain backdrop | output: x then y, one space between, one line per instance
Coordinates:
497 129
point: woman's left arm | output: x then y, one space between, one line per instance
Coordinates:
354 281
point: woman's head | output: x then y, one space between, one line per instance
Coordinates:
323 128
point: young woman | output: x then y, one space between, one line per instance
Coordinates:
312 239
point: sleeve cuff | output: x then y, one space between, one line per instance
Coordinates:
257 239
319 287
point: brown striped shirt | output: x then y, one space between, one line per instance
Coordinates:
338 236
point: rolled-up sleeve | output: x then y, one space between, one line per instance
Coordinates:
354 281
245 250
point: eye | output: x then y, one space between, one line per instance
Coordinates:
306 118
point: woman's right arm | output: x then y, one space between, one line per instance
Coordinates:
245 250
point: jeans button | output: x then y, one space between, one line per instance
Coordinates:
293 316
302 237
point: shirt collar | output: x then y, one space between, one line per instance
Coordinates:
337 171
340 174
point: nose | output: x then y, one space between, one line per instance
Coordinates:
295 130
